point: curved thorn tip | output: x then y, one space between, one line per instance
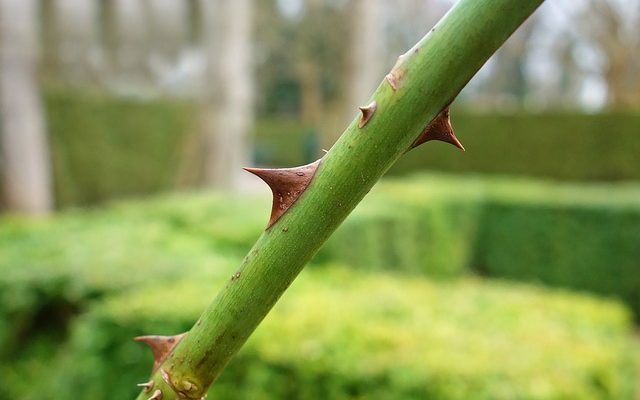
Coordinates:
439 129
367 112
287 184
161 346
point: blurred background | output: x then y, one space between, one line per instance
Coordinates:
510 271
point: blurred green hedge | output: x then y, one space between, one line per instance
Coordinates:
583 237
575 237
59 266
354 335
423 227
105 147
565 146
80 263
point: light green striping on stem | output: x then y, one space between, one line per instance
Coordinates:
428 78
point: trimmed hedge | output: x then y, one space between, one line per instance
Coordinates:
416 228
561 146
566 237
58 266
578 236
105 147
582 237
353 335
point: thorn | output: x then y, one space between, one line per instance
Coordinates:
157 395
287 184
161 346
439 129
325 151
393 81
146 386
395 75
367 113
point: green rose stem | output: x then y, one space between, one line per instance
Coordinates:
409 107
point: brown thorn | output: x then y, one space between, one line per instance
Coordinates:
393 81
396 74
146 386
161 346
287 184
157 395
367 113
439 129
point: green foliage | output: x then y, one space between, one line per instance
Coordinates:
410 228
578 236
98 276
357 335
560 146
582 237
59 265
105 147
564 238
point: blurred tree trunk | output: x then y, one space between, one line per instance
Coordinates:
131 22
612 28
508 85
311 98
107 37
309 71
77 46
615 29
49 39
367 55
25 159
168 27
194 21
227 101
366 62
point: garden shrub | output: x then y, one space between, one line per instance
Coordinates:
356 335
583 237
105 147
423 229
64 263
575 237
560 146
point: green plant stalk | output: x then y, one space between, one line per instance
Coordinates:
426 79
